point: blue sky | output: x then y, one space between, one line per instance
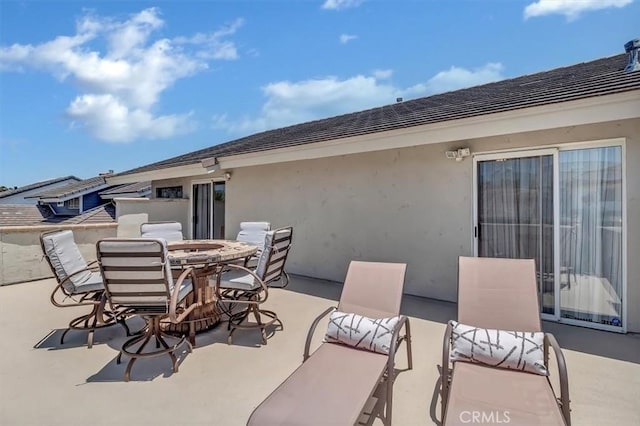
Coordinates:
90 86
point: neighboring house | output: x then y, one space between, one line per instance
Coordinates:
29 215
543 166
23 194
75 198
129 190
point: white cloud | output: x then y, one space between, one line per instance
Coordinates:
341 4
382 74
457 78
570 8
346 38
120 86
295 102
109 119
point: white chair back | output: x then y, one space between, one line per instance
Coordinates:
170 231
136 273
274 255
253 233
65 259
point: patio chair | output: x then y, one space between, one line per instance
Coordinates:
137 276
498 352
170 231
237 285
355 365
79 284
253 233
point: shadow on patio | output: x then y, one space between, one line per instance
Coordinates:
221 384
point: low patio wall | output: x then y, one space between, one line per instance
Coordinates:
21 257
132 212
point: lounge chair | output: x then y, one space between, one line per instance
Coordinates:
79 284
500 381
336 383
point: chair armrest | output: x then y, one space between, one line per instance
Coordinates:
174 317
263 286
562 375
312 329
87 298
395 343
445 372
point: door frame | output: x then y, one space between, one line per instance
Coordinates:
555 151
193 182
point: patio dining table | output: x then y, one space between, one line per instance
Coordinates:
205 256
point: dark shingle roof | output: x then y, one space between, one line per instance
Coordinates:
590 79
28 215
36 185
72 188
127 188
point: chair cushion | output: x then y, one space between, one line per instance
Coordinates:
93 283
238 279
517 350
66 259
331 387
361 332
508 396
170 231
253 233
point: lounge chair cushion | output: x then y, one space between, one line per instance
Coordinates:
330 388
526 399
361 332
516 350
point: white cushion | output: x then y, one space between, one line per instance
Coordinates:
170 231
253 233
238 279
355 330
62 251
516 350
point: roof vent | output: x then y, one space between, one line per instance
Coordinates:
398 100
632 48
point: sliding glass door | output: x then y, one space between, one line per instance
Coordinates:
563 208
208 210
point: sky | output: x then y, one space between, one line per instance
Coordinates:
87 87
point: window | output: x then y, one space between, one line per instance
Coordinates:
73 203
169 192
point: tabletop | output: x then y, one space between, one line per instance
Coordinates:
194 252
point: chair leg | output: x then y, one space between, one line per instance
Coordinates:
153 330
239 321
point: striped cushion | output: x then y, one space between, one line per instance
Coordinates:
137 272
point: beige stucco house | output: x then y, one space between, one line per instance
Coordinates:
543 166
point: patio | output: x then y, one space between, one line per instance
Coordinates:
45 383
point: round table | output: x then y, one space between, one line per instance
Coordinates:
204 256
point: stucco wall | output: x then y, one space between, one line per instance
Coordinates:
21 257
403 205
132 212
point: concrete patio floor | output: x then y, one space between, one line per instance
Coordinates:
45 383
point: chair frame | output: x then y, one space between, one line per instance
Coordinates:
99 317
390 373
252 299
446 372
153 319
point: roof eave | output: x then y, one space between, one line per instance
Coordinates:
592 110
194 169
